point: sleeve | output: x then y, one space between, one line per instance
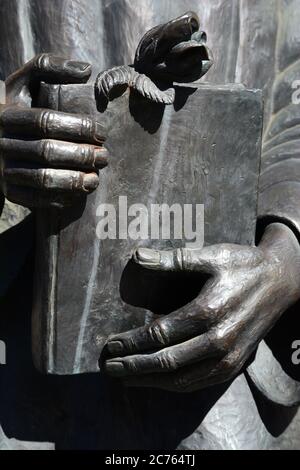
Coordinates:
279 195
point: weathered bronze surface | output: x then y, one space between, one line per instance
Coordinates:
96 289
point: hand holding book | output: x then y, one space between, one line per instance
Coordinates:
49 158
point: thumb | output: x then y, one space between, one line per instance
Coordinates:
183 259
47 68
159 260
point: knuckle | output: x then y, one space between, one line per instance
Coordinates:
47 148
87 155
167 361
44 118
88 127
158 334
209 311
43 178
41 61
132 366
129 343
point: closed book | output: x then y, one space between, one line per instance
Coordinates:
202 152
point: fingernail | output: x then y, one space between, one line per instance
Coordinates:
147 256
90 182
115 347
115 368
100 155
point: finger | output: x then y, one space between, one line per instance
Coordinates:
176 381
221 367
51 179
55 153
50 69
195 378
166 360
33 198
221 300
191 320
207 260
43 123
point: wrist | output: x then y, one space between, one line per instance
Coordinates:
282 249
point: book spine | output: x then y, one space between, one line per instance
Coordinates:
44 314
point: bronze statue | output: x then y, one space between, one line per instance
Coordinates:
209 345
